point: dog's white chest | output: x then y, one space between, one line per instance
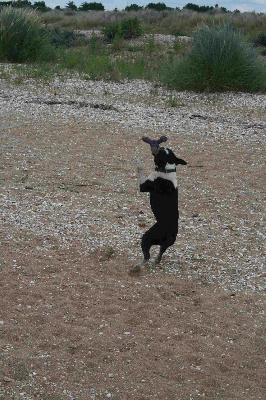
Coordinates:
170 176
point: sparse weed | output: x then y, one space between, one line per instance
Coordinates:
107 253
20 368
172 102
154 91
150 45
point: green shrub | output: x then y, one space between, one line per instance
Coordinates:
219 60
131 28
260 40
127 28
22 38
112 30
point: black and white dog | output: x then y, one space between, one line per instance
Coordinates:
162 186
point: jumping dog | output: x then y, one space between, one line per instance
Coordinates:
162 186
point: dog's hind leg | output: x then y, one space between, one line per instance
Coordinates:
146 255
146 243
164 247
158 259
149 239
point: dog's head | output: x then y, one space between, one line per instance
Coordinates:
165 159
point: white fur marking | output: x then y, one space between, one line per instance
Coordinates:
169 166
170 176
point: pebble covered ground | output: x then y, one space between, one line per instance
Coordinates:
222 231
75 324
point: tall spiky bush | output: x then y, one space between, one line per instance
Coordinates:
22 37
219 60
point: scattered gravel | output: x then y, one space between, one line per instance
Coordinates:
217 242
140 104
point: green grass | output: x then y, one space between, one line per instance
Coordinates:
106 66
89 65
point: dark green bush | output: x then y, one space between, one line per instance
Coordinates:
40 6
219 60
127 28
133 7
91 6
64 38
22 37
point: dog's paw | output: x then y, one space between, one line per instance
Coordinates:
137 267
158 259
137 162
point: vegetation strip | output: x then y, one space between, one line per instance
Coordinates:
217 58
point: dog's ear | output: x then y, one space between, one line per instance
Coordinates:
180 161
175 160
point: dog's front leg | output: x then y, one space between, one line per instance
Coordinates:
141 179
139 167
